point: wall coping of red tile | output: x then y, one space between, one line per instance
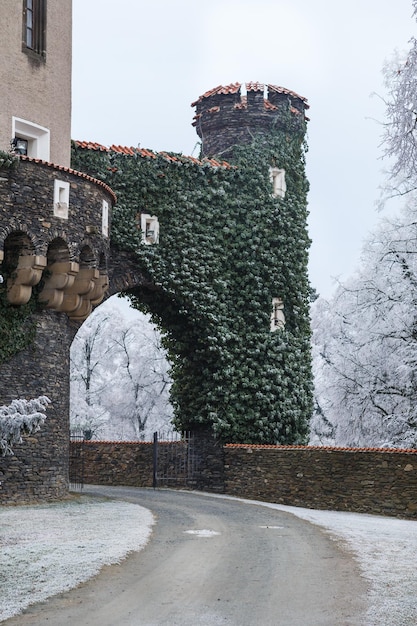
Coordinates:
322 448
69 170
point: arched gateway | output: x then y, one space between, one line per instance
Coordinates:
216 250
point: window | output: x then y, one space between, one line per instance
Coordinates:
37 137
105 218
150 228
34 26
61 199
277 315
277 178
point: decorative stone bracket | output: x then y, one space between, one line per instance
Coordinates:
61 276
27 274
67 288
72 290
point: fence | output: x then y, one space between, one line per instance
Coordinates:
76 461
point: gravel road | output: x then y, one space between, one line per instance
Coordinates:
215 561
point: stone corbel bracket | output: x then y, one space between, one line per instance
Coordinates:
61 276
27 274
87 291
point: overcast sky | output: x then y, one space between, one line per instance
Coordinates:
138 65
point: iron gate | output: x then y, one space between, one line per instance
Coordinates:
174 459
76 460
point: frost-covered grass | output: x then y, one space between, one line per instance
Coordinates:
48 549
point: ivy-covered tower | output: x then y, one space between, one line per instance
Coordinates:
224 248
227 117
260 129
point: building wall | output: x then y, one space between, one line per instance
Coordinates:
39 468
27 205
34 89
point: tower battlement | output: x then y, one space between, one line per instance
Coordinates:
233 114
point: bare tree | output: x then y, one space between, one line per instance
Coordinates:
400 129
120 376
365 345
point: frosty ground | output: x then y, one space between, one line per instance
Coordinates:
47 549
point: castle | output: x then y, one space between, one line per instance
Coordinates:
61 253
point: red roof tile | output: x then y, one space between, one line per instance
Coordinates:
229 89
251 86
255 86
88 145
328 448
269 106
289 93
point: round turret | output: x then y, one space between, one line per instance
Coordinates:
227 116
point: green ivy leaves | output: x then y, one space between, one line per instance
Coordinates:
227 247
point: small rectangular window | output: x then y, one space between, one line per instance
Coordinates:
61 198
277 315
105 218
34 26
149 225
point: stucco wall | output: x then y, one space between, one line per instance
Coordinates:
38 91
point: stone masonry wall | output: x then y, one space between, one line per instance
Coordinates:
116 463
39 468
373 481
27 205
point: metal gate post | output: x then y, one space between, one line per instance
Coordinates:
155 460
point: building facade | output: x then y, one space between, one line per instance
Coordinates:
54 238
35 78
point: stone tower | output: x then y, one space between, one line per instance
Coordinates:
226 116
54 238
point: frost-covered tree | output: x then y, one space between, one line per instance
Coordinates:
21 417
88 352
400 130
365 345
365 337
140 399
119 376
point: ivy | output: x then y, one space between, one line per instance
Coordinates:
8 160
17 326
227 247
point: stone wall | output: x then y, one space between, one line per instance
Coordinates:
27 206
116 463
225 118
39 468
373 481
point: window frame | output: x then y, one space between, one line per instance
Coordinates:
34 33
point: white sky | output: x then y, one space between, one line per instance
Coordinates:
138 65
